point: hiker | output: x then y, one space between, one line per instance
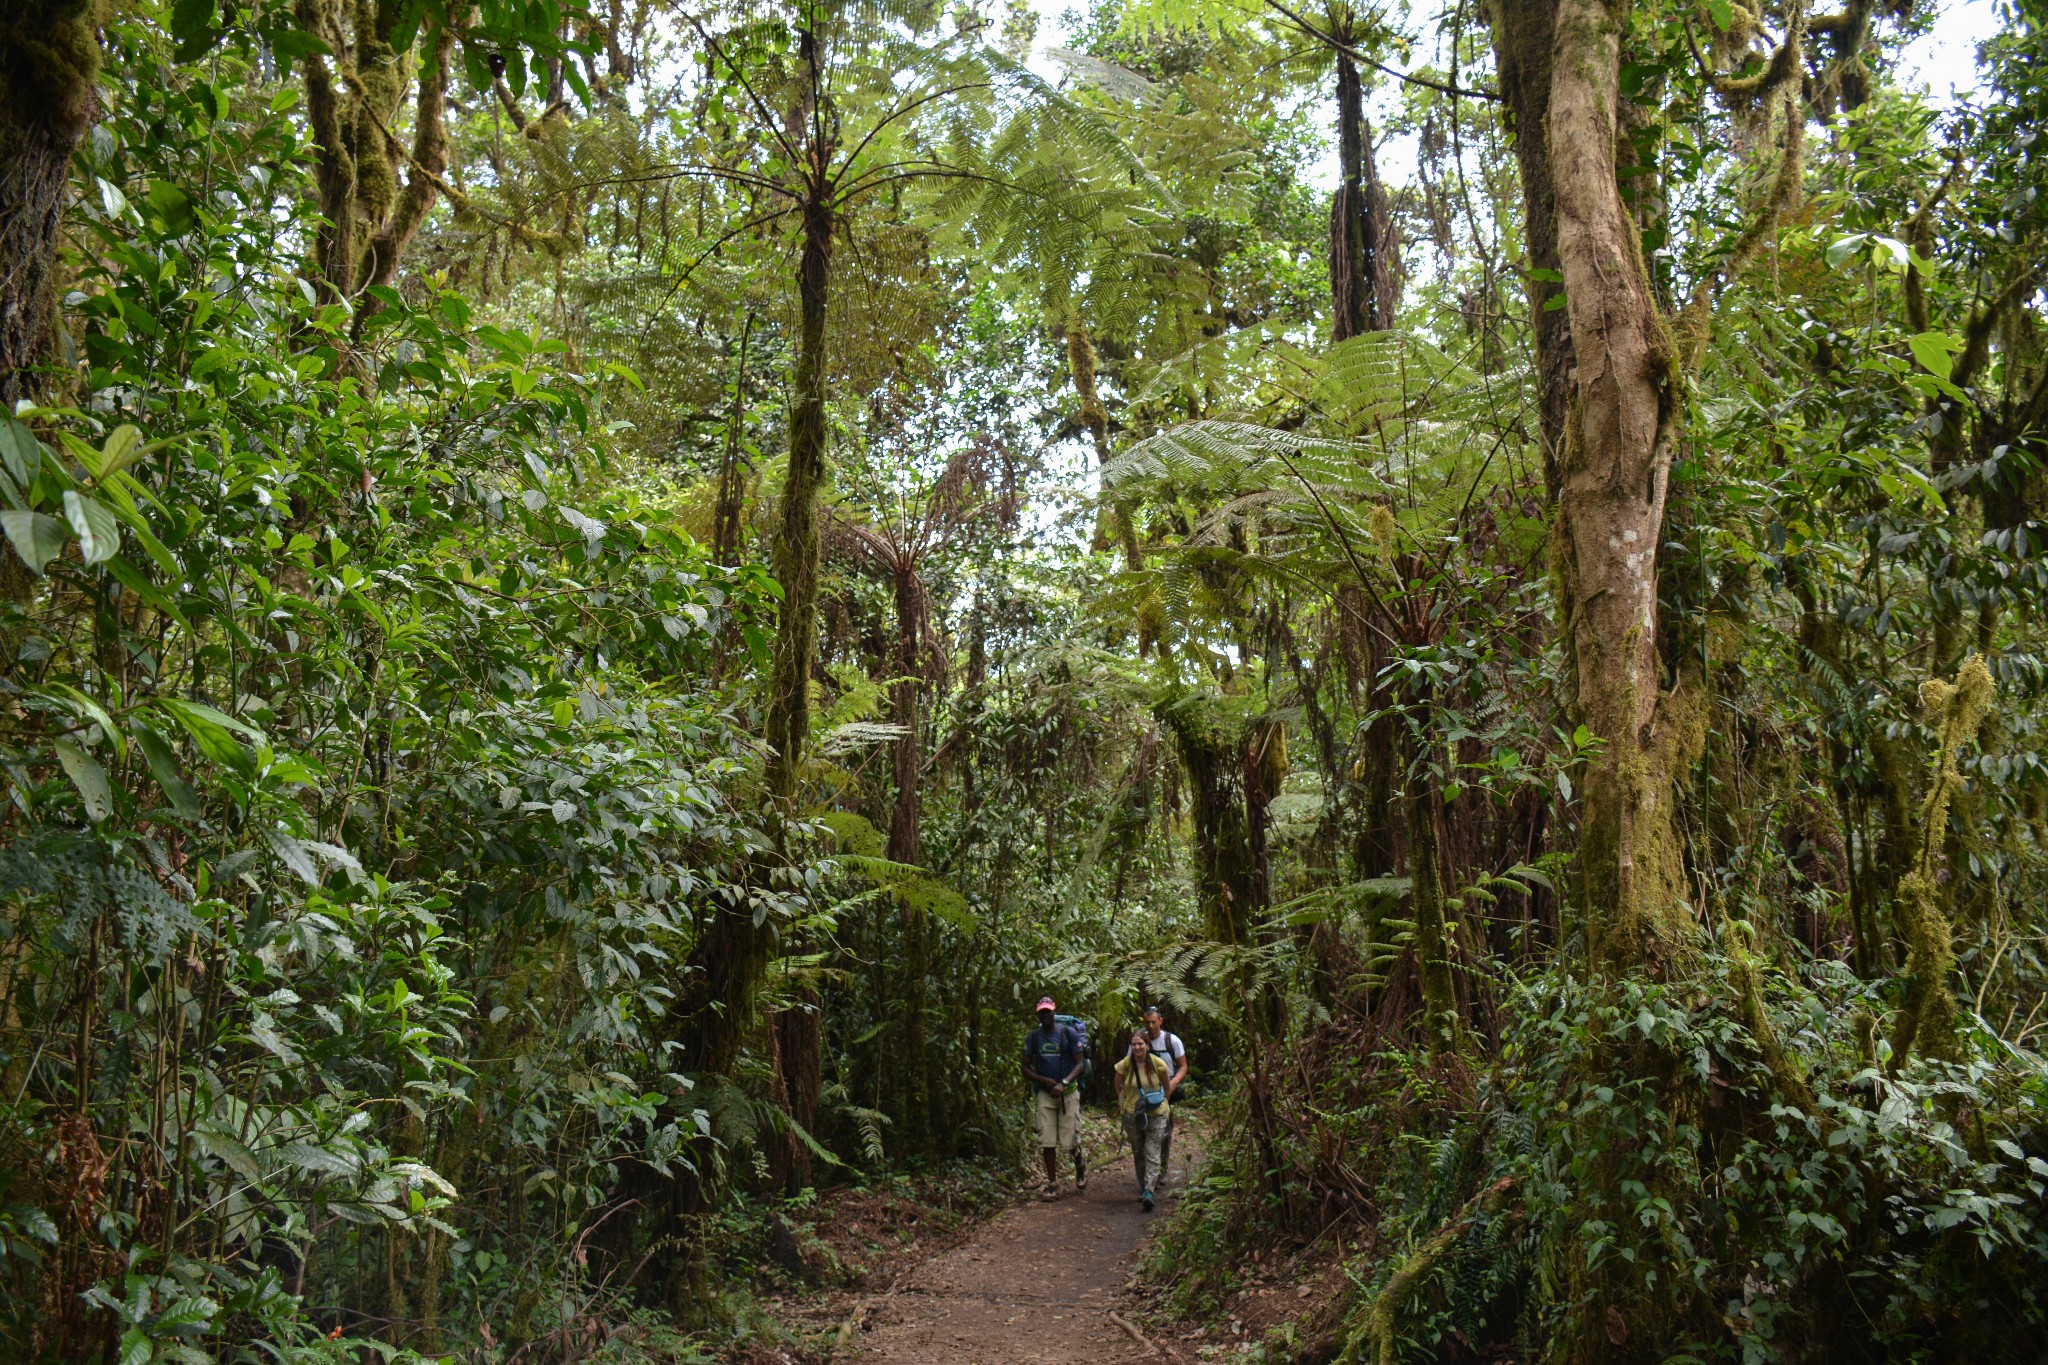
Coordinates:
1142 1096
1053 1056
1173 1056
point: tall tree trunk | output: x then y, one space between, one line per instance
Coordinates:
1229 880
906 841
429 160
1432 936
1522 40
1619 436
798 1057
733 950
49 62
370 215
796 553
1376 846
334 168
1363 274
725 511
906 845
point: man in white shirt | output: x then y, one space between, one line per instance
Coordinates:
1168 1049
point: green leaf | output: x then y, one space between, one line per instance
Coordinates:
190 1311
172 205
89 711
20 452
36 538
33 1222
232 866
1842 248
209 729
240 727
230 1150
192 26
124 507
1722 13
99 532
294 854
163 765
89 777
1934 351
319 1160
122 448
131 578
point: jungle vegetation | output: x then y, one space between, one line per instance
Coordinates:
597 595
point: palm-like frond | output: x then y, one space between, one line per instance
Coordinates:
1399 445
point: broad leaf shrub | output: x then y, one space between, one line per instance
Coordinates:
365 780
1833 1210
1889 1217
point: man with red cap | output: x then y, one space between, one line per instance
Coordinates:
1053 1055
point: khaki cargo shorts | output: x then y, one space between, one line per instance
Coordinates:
1059 1118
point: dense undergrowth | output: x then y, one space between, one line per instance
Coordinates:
1640 1140
596 598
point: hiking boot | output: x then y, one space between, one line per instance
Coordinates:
1080 1170
1146 1200
1050 1192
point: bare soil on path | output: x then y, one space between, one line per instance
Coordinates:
1036 1285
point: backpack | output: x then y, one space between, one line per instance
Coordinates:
1080 1028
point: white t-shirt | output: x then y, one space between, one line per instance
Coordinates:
1168 1049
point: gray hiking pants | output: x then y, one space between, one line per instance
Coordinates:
1149 1133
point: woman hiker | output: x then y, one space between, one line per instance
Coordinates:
1141 1081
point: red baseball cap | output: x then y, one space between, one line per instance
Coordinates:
1045 1003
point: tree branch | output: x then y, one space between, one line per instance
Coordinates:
760 105
1335 45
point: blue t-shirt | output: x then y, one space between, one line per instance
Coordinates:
1052 1052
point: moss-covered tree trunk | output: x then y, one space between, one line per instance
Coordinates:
796 548
1229 878
1522 39
1620 432
1376 849
726 510
49 62
1364 282
1427 899
906 838
732 950
906 845
1082 364
371 212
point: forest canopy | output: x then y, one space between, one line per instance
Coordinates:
598 594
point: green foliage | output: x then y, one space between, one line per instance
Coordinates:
379 733
357 825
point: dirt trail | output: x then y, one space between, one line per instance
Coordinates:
1035 1286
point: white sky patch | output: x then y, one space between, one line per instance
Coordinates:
1942 62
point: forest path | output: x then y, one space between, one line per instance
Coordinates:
1036 1285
